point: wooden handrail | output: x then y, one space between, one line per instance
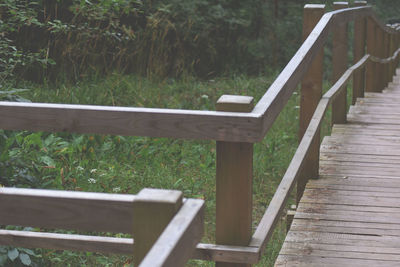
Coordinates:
212 125
152 122
188 124
105 212
66 210
274 100
175 245
278 202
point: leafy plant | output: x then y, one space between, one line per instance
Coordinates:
10 256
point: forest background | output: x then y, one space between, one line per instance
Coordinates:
74 38
168 54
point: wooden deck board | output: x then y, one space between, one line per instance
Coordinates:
350 216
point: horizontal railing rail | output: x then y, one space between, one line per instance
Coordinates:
165 227
235 127
176 123
279 200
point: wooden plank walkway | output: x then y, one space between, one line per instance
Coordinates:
350 216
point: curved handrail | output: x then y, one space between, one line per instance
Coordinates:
273 101
189 124
213 125
385 60
278 202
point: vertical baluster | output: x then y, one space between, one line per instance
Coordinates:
379 81
339 66
311 92
371 73
234 183
153 210
359 52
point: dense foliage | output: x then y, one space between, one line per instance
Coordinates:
148 37
42 38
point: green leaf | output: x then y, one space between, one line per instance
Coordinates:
47 160
27 251
3 260
13 254
25 259
3 249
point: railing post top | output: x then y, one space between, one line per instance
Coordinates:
159 196
235 103
314 6
340 5
360 3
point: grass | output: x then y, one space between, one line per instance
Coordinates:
104 163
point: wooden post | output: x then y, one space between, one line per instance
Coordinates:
339 66
290 216
311 93
396 45
234 183
389 54
380 54
358 53
385 53
391 51
153 209
371 74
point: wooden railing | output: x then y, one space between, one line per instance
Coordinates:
236 125
165 227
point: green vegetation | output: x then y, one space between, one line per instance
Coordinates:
167 54
127 164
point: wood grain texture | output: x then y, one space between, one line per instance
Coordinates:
275 208
130 121
234 185
371 71
177 242
221 253
339 66
100 244
280 91
360 25
153 210
350 215
66 210
310 94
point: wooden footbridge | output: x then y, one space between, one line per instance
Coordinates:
350 215
348 202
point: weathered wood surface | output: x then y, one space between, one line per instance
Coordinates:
153 210
152 122
350 215
100 244
234 184
176 244
66 210
310 95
